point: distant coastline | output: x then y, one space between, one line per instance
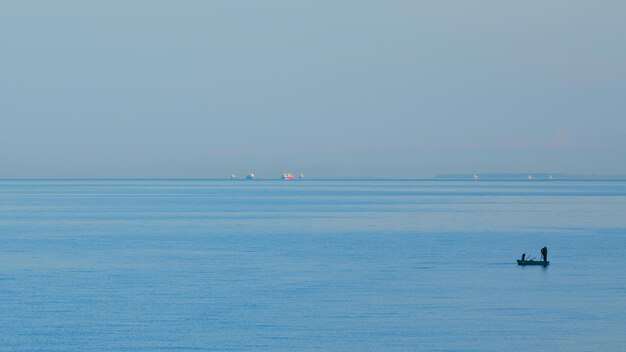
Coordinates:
443 177
527 176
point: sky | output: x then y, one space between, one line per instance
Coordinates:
402 89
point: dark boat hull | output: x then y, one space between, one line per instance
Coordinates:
533 262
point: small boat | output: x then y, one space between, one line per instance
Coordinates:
533 262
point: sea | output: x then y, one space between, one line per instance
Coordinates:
312 265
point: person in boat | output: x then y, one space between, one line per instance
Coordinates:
523 257
544 253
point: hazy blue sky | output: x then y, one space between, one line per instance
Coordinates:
328 88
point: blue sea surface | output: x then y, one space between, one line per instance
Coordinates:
311 265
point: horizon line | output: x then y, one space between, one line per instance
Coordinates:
485 177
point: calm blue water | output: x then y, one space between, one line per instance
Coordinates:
195 265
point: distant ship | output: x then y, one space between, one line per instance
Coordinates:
301 176
250 176
233 176
288 176
476 177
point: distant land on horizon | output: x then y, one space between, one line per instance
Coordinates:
525 176
460 176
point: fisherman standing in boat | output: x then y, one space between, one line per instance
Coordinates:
523 256
544 253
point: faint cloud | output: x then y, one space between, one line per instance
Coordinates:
587 145
562 139
469 146
518 143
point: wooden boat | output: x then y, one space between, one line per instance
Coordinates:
533 262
